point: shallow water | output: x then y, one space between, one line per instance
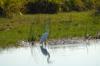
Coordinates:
67 55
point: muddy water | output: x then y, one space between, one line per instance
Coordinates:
67 55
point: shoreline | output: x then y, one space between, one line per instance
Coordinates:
63 41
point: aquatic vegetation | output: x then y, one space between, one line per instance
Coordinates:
62 25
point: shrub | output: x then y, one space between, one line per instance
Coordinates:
10 7
41 7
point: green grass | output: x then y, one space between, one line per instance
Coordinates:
62 25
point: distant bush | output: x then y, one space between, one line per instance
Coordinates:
41 7
98 5
1 12
10 7
78 5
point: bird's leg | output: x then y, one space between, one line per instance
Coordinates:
42 44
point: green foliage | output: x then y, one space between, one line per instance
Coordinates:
62 25
79 5
98 4
11 7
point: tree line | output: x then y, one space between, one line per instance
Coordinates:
10 7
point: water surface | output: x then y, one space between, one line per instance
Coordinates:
66 55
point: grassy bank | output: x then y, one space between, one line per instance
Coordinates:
62 25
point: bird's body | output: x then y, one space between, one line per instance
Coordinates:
44 37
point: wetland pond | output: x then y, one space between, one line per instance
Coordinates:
81 54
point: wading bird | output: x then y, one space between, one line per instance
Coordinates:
43 43
44 38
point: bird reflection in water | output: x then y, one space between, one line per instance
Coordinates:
45 53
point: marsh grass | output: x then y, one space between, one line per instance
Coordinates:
62 25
